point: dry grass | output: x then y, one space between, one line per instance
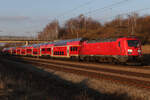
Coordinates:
146 54
25 82
146 49
107 87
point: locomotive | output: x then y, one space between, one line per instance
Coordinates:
121 49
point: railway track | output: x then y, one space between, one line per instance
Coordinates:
134 77
143 69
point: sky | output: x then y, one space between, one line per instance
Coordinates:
28 17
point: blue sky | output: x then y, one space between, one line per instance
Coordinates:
27 17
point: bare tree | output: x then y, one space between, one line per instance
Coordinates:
50 32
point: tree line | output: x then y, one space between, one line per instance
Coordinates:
87 27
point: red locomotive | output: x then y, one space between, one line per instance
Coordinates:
122 49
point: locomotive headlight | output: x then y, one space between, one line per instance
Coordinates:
139 51
130 50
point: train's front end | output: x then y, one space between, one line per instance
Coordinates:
133 49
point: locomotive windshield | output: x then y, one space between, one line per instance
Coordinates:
133 43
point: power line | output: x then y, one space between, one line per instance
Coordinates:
107 7
78 7
131 12
103 8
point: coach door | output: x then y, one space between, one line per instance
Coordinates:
68 51
52 51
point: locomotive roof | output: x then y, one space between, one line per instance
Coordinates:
109 39
102 40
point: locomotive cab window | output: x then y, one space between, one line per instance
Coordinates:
133 43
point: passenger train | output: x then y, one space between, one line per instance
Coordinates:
121 49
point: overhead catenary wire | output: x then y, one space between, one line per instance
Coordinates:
76 8
107 7
95 10
122 14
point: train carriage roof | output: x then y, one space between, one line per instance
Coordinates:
64 42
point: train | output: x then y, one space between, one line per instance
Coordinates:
115 50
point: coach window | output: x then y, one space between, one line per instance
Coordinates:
71 49
48 49
28 50
74 48
43 49
35 52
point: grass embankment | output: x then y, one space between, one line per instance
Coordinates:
107 87
146 54
146 49
25 82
